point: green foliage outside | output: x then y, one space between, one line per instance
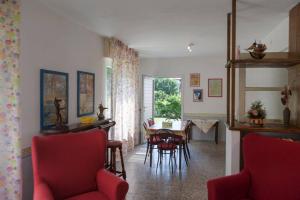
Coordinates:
167 98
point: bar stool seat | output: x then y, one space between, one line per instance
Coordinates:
112 146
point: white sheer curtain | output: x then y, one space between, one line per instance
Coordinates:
125 91
10 147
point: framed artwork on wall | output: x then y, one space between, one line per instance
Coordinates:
215 87
198 95
195 80
53 85
85 93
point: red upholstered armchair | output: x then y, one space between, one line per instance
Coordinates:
71 167
271 172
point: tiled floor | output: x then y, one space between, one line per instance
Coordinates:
145 183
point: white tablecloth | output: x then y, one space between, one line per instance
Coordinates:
204 125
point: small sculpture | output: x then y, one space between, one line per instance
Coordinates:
101 110
58 109
257 50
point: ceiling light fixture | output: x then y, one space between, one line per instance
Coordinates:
189 47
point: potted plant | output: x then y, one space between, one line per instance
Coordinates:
257 113
285 95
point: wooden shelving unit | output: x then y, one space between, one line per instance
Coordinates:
271 60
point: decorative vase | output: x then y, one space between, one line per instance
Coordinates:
257 122
286 116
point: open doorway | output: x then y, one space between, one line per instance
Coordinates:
162 98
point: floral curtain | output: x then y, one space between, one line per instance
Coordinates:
125 89
10 149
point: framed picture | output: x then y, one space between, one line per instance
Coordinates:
198 95
53 85
195 80
215 87
85 93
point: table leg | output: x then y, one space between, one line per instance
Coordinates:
216 132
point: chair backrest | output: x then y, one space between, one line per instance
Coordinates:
274 165
167 136
145 126
69 163
151 122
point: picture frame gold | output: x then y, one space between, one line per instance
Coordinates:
195 80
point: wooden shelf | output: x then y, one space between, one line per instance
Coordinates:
268 127
271 60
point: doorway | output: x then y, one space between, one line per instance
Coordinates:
162 99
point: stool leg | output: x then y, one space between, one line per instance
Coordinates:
113 165
122 163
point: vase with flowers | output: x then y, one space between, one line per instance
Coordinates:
257 113
285 95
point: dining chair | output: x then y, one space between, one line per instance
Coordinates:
169 142
151 144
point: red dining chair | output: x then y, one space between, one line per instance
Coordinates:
169 142
151 122
151 144
71 167
271 172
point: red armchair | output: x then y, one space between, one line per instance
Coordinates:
71 167
272 171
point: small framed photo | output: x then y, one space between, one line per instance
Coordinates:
195 79
215 87
85 93
198 95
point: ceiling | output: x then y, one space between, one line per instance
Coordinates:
164 28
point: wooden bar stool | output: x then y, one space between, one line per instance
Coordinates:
112 146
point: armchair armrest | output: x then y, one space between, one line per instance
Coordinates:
229 187
112 186
42 191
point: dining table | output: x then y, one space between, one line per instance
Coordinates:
178 127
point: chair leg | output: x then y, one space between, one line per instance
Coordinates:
174 154
113 160
158 159
147 151
122 163
171 156
188 150
185 155
151 150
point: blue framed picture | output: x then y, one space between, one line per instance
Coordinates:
198 95
53 85
85 93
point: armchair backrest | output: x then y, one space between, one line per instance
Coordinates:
68 163
274 165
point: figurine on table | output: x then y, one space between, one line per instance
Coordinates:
58 109
101 110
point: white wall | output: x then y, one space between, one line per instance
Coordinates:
278 39
51 42
213 67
